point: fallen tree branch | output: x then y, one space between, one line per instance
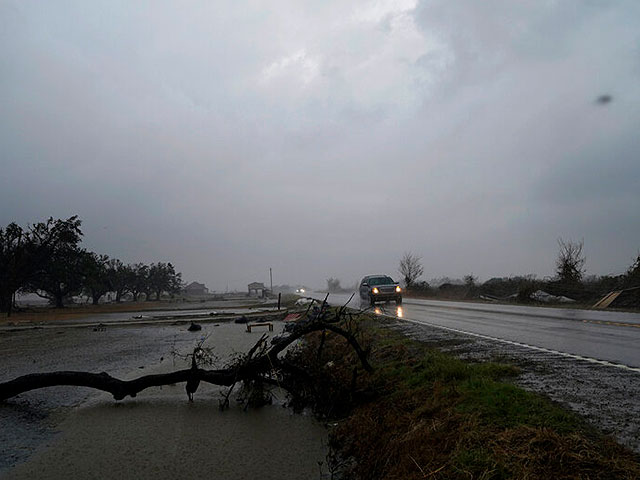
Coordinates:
250 367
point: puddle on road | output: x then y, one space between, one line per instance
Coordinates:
394 311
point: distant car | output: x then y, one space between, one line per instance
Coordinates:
380 288
300 290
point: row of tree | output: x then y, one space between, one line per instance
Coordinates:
569 266
47 259
104 274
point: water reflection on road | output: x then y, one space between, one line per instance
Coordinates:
395 311
601 335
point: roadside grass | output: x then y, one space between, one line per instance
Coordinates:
425 414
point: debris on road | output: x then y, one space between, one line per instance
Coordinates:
194 327
544 297
292 317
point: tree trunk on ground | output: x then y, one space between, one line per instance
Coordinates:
6 303
261 364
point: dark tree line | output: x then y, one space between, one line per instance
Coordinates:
47 259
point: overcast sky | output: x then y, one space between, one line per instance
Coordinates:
326 138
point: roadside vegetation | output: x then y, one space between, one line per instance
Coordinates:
570 285
425 414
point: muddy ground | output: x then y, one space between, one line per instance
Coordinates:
608 397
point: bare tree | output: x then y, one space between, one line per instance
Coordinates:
632 277
410 268
570 261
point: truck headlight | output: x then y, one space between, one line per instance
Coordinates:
375 290
398 289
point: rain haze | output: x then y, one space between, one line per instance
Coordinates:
324 139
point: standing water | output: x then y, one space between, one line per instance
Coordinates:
158 434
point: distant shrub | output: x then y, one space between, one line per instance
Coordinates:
526 287
422 288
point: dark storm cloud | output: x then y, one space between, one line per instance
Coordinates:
326 140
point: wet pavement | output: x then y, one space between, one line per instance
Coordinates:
605 336
586 360
57 431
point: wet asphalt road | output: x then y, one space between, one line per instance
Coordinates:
604 336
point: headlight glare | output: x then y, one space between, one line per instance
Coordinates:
398 289
375 290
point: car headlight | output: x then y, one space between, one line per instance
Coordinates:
398 289
375 290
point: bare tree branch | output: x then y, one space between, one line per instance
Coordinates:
570 261
251 367
410 268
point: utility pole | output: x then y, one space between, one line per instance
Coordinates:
271 280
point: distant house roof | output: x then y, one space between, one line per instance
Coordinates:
195 286
256 285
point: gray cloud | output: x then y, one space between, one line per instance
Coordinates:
326 140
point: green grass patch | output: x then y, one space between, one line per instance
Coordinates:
435 365
467 461
504 405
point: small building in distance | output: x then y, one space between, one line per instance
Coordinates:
257 289
195 289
